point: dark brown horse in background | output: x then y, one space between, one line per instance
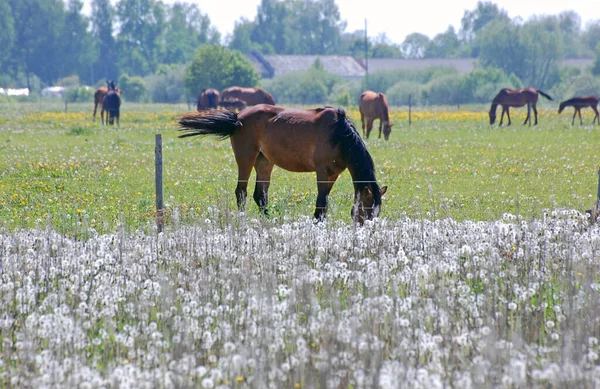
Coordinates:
373 106
99 99
581 102
112 104
209 99
319 140
232 104
516 98
250 96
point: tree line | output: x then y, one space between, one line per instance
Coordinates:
47 40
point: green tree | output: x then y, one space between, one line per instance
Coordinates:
76 42
186 29
543 48
316 26
7 35
591 35
311 86
415 45
142 23
241 38
271 29
38 25
443 45
596 65
570 29
384 48
354 44
501 47
134 87
217 67
474 21
105 66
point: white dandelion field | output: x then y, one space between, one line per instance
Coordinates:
232 300
405 304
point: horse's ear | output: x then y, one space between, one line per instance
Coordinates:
383 190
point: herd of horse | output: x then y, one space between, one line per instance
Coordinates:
322 140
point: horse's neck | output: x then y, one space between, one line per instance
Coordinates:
361 169
385 113
494 106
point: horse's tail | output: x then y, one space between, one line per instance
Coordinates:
213 122
544 94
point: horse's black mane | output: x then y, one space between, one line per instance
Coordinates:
355 153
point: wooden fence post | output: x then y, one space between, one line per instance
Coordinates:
158 175
409 109
598 194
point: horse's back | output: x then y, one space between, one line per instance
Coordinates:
371 103
291 138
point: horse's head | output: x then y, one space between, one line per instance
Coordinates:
561 107
367 203
492 117
111 85
387 130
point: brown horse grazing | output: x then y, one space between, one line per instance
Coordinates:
321 140
373 106
581 102
232 104
99 99
250 96
209 99
516 98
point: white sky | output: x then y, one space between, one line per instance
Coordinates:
424 16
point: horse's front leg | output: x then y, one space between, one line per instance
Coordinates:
597 117
535 115
324 184
502 116
580 120
263 168
574 115
380 127
508 116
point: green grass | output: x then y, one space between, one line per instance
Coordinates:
61 169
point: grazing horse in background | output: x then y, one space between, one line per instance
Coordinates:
321 140
232 104
516 98
250 96
99 99
209 99
581 102
373 106
112 104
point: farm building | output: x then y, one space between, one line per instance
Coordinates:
269 66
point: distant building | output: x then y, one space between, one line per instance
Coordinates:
269 66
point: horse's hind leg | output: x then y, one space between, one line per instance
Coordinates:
245 156
535 115
580 120
362 121
597 117
574 115
263 168
369 126
95 110
324 184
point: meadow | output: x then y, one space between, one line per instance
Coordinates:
483 271
59 168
